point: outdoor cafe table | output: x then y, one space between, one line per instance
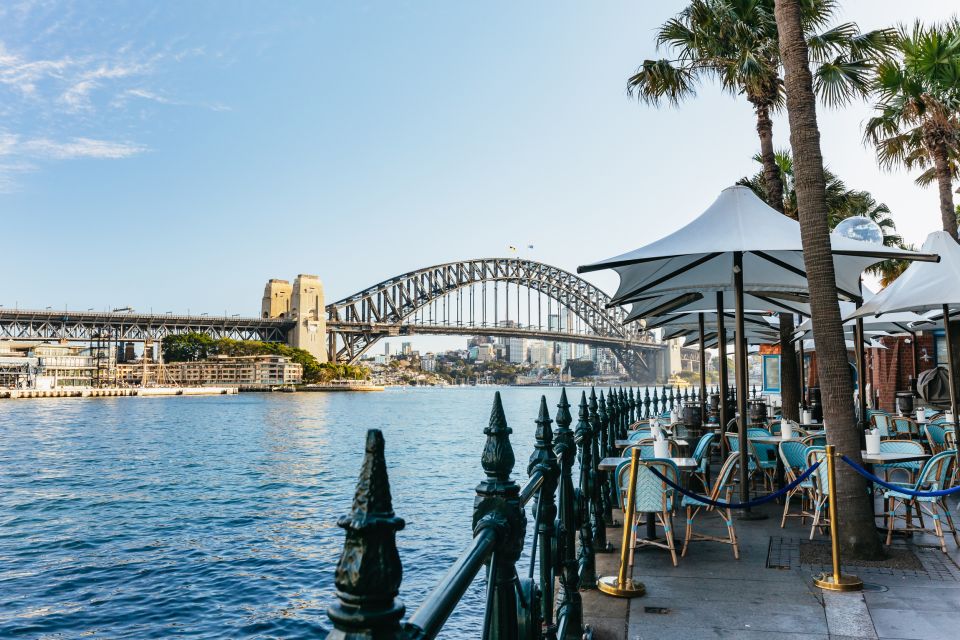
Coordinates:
683 464
889 458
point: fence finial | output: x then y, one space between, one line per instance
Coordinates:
369 572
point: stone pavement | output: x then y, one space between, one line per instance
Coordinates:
769 593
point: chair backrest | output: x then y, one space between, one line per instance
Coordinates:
757 431
652 493
815 441
794 455
933 475
882 422
703 446
725 474
821 477
950 438
646 448
775 427
639 434
936 438
900 446
905 426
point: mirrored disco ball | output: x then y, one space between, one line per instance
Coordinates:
860 228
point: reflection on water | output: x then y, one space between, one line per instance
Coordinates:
213 517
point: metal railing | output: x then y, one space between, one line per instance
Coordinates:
565 517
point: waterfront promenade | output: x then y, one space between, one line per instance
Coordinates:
769 592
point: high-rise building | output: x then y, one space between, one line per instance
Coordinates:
386 348
517 350
406 348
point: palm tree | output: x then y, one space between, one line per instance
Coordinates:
918 102
735 43
858 535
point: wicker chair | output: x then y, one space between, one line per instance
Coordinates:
723 489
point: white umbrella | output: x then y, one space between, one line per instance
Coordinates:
925 287
738 234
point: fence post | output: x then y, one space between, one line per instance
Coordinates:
544 459
569 603
369 571
497 505
633 407
609 449
646 403
584 436
598 480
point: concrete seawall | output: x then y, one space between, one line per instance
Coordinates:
109 392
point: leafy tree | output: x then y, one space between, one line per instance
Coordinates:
580 368
918 95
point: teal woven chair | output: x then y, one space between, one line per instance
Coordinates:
639 434
881 420
701 453
933 477
900 446
820 491
794 457
767 467
652 497
723 489
646 448
936 437
815 441
905 428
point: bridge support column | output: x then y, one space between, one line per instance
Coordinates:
309 312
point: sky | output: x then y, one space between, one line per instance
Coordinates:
177 155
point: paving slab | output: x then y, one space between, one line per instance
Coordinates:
847 615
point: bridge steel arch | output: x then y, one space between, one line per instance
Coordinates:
358 321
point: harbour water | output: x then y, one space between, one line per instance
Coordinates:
215 517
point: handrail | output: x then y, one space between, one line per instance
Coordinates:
533 485
430 617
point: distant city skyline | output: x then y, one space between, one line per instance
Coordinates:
176 157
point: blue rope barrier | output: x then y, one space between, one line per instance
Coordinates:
737 505
899 489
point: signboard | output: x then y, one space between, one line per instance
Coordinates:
769 349
771 373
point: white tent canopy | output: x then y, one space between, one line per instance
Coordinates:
699 256
924 286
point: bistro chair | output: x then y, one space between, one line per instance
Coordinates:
904 427
900 446
820 491
639 434
794 457
767 467
723 489
932 477
646 448
652 496
815 440
936 437
701 454
882 422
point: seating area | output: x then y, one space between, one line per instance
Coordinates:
780 454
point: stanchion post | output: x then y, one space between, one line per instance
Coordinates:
836 581
622 585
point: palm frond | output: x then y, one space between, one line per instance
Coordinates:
660 80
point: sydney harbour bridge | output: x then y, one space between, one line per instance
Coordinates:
497 297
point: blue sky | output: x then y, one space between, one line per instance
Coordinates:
175 156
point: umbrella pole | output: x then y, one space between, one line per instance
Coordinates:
861 376
953 382
916 361
740 362
703 373
803 376
722 346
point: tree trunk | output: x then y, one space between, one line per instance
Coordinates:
771 171
948 214
789 375
856 528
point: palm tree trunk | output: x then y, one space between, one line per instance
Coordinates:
948 214
857 531
789 375
771 171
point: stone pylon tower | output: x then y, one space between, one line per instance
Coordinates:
276 299
308 310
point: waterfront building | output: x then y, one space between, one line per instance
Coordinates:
482 353
428 362
49 366
258 370
541 352
386 348
406 348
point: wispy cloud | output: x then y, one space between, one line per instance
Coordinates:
80 148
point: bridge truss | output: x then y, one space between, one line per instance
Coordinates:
467 298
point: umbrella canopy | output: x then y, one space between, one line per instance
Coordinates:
924 286
700 255
653 309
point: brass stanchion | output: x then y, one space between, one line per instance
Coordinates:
837 581
622 585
